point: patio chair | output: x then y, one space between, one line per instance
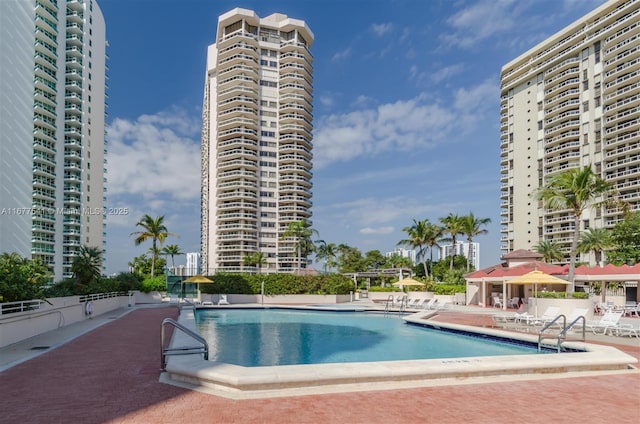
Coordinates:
608 322
497 303
631 309
223 300
513 303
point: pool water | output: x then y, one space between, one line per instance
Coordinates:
268 337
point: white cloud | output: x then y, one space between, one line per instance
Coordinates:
326 101
381 29
380 230
341 55
480 21
155 155
400 126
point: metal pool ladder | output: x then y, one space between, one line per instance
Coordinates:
183 350
562 335
389 303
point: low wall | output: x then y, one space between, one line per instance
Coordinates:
285 299
63 311
566 306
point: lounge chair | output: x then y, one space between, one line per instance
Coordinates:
419 304
608 322
223 300
627 329
441 306
549 315
411 302
431 304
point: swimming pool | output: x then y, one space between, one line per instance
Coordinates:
271 337
241 382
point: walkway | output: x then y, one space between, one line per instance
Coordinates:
110 375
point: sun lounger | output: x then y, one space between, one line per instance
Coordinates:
223 300
627 329
431 304
549 315
608 322
418 304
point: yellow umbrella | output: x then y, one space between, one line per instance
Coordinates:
537 277
198 279
408 282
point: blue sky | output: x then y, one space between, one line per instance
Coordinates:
406 111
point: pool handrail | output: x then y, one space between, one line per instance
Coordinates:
185 350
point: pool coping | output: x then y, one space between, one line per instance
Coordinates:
237 382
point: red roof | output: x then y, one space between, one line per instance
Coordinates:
501 271
608 269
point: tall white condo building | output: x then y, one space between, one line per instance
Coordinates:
256 141
573 100
52 129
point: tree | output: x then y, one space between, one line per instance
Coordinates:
374 259
22 278
327 252
550 250
87 265
595 240
171 250
141 265
152 229
417 239
433 237
453 225
256 259
575 189
301 232
626 241
471 227
350 259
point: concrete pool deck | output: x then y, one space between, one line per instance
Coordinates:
111 374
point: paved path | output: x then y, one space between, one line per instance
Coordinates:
110 375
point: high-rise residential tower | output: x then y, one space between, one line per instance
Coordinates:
52 129
573 100
256 142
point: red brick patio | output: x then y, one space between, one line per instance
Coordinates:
110 375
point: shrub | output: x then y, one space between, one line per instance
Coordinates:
153 284
580 295
277 284
551 295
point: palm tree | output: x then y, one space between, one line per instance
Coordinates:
550 250
327 252
471 228
595 240
433 237
154 229
301 231
256 259
171 250
87 265
575 189
417 240
453 225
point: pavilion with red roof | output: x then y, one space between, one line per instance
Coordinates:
485 284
